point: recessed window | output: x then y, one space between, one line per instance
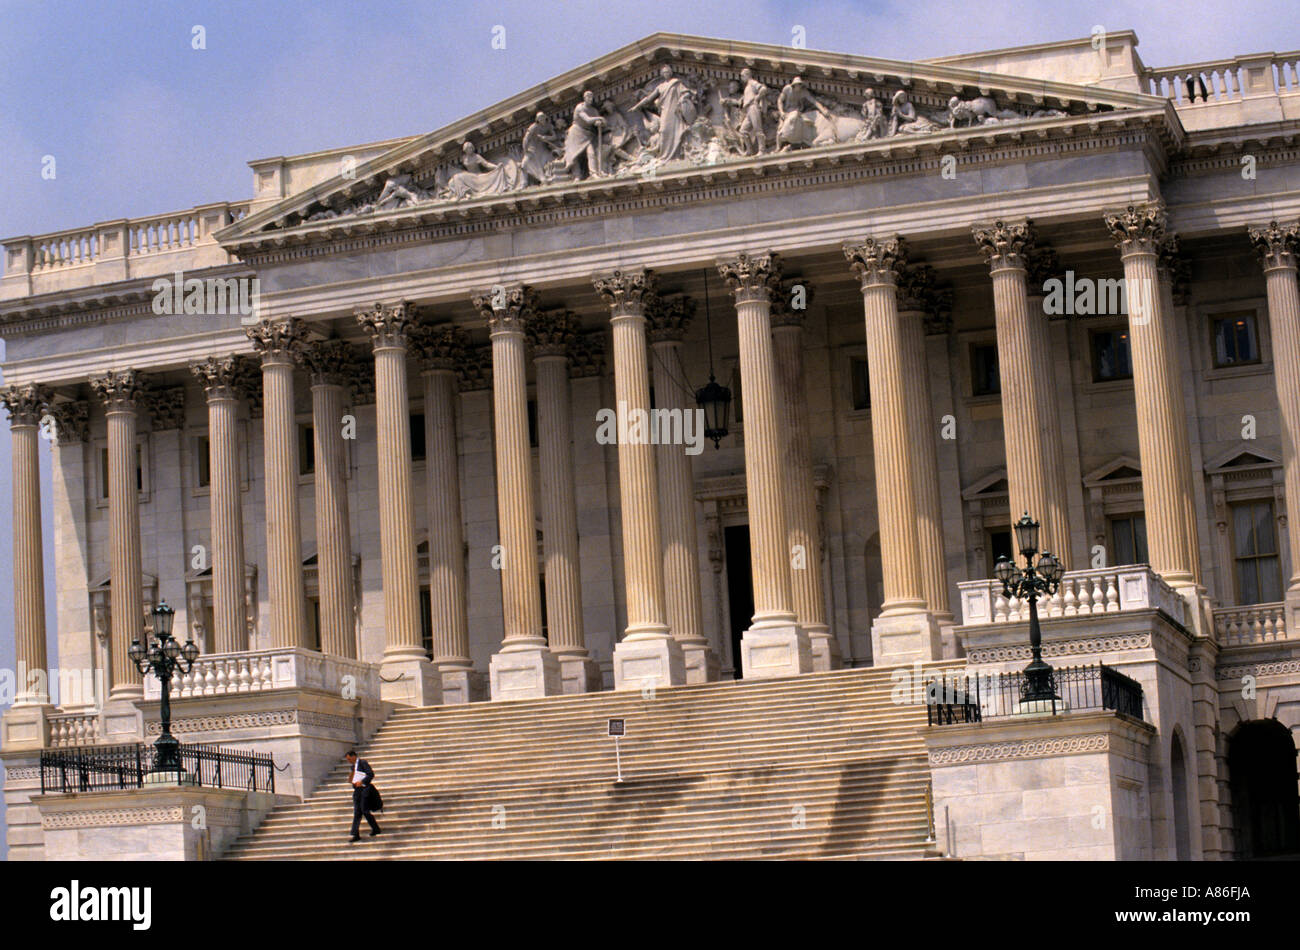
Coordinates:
532 423
306 449
998 544
1235 340
202 461
984 378
1128 534
546 634
313 624
860 380
418 448
1254 533
103 470
1111 357
426 621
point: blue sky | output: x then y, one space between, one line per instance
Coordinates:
140 122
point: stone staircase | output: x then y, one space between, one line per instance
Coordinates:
818 766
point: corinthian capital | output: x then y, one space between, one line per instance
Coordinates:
1276 244
626 291
1138 229
26 404
669 318
552 332
790 299
587 356
329 362
475 371
916 287
1174 267
443 346
506 308
277 340
877 260
71 420
118 390
1004 244
752 277
387 326
220 376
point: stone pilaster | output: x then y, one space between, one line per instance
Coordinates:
330 365
1162 421
905 630
1031 423
443 349
408 676
119 390
775 644
803 523
27 405
524 667
219 376
647 654
1277 247
279 343
551 334
668 321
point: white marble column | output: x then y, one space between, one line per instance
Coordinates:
407 675
524 667
1030 421
774 644
330 364
278 344
26 405
219 376
803 521
1162 420
1276 245
905 630
120 391
668 320
647 654
551 334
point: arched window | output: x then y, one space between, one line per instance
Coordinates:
1262 777
1178 780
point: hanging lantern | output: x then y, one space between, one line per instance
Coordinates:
715 401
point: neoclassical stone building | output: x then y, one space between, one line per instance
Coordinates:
351 428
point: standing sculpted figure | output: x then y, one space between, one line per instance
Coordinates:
796 128
675 115
541 147
580 143
873 117
754 104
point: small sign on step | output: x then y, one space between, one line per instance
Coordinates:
616 730
618 727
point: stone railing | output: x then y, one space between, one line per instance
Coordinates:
72 729
227 674
1263 74
1258 623
1082 593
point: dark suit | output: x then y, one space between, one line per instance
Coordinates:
361 798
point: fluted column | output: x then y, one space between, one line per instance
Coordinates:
1276 245
119 392
551 334
668 321
278 343
1162 420
905 630
330 364
647 654
775 644
404 656
524 667
803 523
219 376
26 405
442 349
1031 424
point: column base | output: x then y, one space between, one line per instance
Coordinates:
26 727
525 674
460 686
702 664
825 648
409 681
903 639
781 650
580 674
653 662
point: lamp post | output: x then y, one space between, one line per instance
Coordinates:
163 657
1029 583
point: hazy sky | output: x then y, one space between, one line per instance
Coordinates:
139 122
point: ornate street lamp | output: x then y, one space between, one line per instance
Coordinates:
713 398
163 657
1029 583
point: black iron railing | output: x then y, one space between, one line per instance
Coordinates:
103 768
973 697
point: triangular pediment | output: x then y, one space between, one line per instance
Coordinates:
1240 457
698 118
1119 469
992 485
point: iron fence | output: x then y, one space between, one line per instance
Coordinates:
104 768
973 697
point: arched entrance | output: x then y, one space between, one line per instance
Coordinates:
1178 783
1262 777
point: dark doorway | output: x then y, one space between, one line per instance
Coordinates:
740 587
1265 803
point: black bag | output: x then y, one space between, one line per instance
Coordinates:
374 801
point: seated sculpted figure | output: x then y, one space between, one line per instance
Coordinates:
905 118
399 191
482 177
541 147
